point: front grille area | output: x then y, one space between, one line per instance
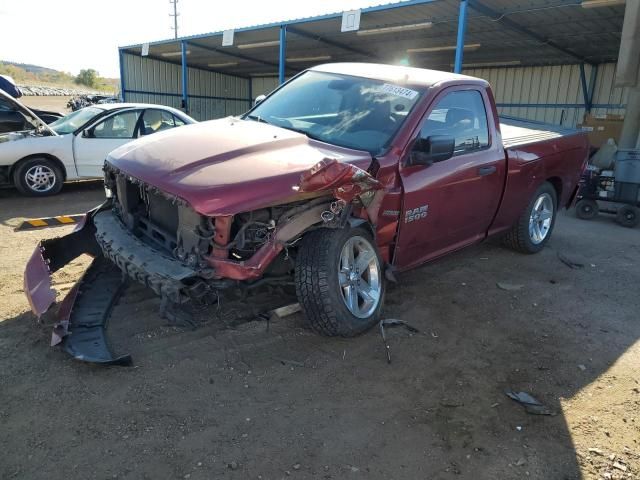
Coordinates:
147 214
166 223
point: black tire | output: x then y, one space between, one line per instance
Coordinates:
318 285
519 238
48 167
627 216
587 209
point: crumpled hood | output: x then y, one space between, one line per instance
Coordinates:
228 166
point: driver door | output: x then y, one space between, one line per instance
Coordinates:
92 145
451 203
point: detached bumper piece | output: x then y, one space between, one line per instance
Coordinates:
83 314
84 325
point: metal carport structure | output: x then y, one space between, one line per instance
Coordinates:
568 45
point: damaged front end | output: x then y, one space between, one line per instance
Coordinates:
158 240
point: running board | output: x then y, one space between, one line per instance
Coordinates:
86 311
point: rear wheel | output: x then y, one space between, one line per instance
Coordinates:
587 209
533 229
339 281
38 177
627 216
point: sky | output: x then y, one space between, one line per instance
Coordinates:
70 35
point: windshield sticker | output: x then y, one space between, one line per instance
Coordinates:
399 91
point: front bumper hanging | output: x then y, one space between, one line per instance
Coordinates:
83 313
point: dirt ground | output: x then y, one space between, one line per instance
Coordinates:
251 402
54 103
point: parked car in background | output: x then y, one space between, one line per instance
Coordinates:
12 119
38 161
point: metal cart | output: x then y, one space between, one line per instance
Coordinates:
615 191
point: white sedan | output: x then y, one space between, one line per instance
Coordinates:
38 161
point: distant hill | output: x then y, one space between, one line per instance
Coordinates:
27 74
27 67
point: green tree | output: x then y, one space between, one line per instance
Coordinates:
88 77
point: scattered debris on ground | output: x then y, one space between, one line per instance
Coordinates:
389 323
530 403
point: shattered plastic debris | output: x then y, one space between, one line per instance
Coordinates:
530 404
570 262
510 287
392 322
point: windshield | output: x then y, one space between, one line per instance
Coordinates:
347 111
74 120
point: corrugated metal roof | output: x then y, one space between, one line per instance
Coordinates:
524 32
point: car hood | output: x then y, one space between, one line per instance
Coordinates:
227 166
13 136
31 117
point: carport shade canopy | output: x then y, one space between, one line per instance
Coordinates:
422 33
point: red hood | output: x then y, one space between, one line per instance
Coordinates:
227 166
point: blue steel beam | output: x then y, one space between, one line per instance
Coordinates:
122 84
510 24
585 89
236 55
179 63
333 43
185 80
592 85
462 27
283 53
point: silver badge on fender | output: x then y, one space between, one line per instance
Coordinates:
414 214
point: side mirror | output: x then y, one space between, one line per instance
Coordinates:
86 133
259 99
434 148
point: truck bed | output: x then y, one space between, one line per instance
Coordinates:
517 132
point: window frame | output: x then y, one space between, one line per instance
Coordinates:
452 90
136 128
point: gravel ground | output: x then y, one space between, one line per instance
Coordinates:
243 401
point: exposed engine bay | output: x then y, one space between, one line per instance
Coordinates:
158 240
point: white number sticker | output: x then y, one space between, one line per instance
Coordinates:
399 91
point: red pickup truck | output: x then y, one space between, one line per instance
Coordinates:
339 178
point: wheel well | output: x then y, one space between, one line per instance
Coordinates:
556 182
48 156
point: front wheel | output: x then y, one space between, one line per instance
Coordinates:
38 177
533 229
339 281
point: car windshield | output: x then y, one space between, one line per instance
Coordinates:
347 111
75 120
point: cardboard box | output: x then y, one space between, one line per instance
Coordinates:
601 128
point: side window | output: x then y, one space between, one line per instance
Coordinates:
121 125
155 120
461 115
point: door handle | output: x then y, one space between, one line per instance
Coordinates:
483 171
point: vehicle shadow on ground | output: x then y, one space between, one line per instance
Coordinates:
254 399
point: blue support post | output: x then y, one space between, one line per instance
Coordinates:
283 53
585 89
122 84
185 80
592 85
462 27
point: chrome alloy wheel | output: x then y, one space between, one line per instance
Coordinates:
541 218
359 277
40 178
